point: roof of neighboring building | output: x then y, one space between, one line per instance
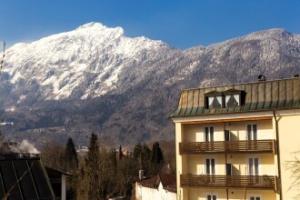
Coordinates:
259 96
168 182
55 172
23 177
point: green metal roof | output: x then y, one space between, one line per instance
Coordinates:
259 96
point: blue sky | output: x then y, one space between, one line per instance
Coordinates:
180 23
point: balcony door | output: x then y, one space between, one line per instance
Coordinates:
209 138
252 136
253 170
227 135
228 169
210 166
251 132
209 134
253 166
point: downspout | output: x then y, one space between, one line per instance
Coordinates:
278 153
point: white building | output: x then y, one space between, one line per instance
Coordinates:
159 187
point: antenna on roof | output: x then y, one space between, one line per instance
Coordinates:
261 77
3 56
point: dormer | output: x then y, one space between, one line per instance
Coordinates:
225 99
214 99
240 98
234 98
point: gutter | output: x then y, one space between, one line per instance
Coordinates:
278 153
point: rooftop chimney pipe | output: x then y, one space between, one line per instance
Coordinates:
262 77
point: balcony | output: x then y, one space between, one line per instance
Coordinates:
223 181
237 146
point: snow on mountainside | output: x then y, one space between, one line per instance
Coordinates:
96 79
92 53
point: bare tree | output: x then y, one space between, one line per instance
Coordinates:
294 167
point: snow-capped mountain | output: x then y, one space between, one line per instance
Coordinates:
95 78
92 55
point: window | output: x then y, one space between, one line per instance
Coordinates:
215 102
228 169
210 166
253 166
254 198
211 197
252 132
227 135
209 134
226 99
232 100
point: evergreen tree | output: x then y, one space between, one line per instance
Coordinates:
93 169
71 157
157 158
137 151
146 159
113 160
120 153
137 155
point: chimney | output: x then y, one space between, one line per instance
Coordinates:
261 77
141 174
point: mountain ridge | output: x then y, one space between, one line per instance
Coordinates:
97 79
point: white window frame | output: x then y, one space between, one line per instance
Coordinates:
228 96
209 136
210 166
251 124
259 164
210 100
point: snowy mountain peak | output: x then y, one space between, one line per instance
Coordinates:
268 34
92 54
92 25
99 28
93 60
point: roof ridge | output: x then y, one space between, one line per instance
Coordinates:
238 84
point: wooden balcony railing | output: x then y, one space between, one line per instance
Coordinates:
248 182
237 146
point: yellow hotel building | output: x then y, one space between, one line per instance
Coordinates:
236 142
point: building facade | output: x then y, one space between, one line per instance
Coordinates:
239 141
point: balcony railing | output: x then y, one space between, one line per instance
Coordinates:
237 146
247 182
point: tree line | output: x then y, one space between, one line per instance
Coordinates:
101 172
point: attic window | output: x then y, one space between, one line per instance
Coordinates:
226 99
215 101
232 100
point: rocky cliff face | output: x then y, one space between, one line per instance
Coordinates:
96 79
